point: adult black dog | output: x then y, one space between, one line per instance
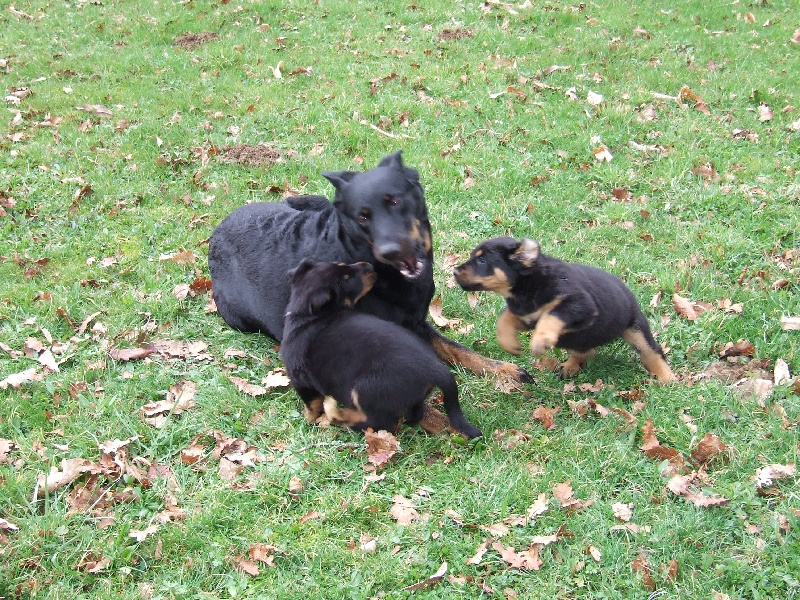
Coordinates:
378 216
379 372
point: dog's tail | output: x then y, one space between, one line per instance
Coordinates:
447 384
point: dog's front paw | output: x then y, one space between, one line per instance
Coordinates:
541 344
510 344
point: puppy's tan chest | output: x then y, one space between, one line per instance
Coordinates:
529 319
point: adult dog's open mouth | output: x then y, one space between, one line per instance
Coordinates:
411 267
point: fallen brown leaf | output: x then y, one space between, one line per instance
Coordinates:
403 510
436 312
381 446
545 416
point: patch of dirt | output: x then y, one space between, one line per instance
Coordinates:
448 35
193 40
733 371
259 155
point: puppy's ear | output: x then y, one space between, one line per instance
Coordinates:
301 269
392 160
319 299
339 179
526 253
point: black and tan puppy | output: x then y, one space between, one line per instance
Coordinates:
378 371
378 216
567 305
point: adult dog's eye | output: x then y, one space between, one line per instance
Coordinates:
363 217
391 200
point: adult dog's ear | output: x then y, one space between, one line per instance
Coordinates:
339 179
395 160
301 269
526 253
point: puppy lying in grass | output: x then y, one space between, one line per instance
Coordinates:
568 305
379 372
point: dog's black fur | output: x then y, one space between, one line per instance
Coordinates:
380 372
568 305
378 216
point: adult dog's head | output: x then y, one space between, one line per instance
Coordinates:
386 207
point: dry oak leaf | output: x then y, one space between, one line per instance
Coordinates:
7 525
71 469
92 563
640 566
436 312
264 553
623 511
688 308
126 354
479 552
6 446
545 416
15 380
433 579
381 446
246 566
142 535
707 448
528 559
680 485
765 476
740 348
403 511
295 486
276 379
246 387
564 494
538 507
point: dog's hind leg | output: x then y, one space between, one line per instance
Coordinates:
640 337
354 418
455 354
575 362
312 403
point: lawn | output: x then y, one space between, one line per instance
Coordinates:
149 451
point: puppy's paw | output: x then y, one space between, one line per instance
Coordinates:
541 344
510 345
568 369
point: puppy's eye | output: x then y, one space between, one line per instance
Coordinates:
363 217
392 201
480 260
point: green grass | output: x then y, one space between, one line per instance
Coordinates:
508 164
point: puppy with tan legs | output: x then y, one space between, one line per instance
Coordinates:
567 305
361 371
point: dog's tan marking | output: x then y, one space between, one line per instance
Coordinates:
531 318
546 333
527 253
455 354
496 282
367 280
421 235
344 416
313 410
575 362
652 360
508 327
477 253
